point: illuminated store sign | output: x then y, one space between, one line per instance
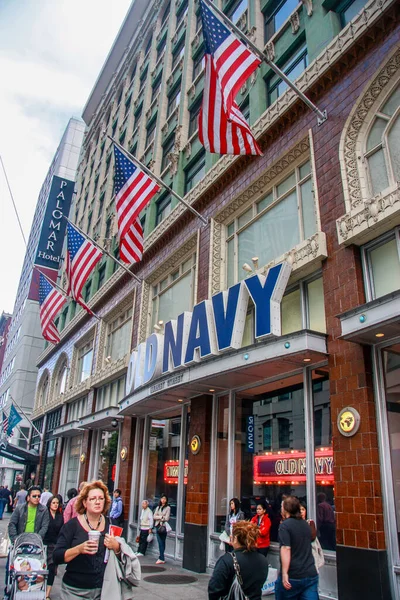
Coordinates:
171 471
290 467
215 326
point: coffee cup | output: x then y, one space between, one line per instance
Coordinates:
94 536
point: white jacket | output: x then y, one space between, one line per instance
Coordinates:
146 519
115 584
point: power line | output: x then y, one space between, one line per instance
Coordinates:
12 198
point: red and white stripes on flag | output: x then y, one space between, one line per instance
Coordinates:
218 133
51 302
133 191
82 257
228 64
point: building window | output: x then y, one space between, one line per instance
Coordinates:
102 276
161 48
167 149
86 291
109 223
148 47
245 108
174 294
276 16
138 116
85 357
194 117
182 14
293 68
155 90
279 221
350 10
381 261
110 394
143 78
133 73
163 208
177 54
61 382
165 14
119 335
195 173
173 101
77 409
198 65
150 133
44 391
237 11
382 146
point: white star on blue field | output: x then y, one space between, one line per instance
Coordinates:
214 32
124 169
75 240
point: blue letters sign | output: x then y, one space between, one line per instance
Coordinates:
215 326
51 239
250 434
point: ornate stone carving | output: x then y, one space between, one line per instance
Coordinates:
187 150
308 6
243 88
295 22
151 164
164 128
178 138
270 50
216 258
173 158
196 39
242 23
192 91
253 77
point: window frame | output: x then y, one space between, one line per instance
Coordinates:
83 351
161 205
194 168
115 325
366 249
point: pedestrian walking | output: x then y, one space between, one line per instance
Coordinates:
145 526
161 518
75 546
46 495
71 493
20 496
5 499
50 539
326 523
263 522
117 509
298 578
70 512
235 514
252 565
31 517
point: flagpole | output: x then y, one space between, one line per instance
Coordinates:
322 115
54 284
104 250
26 417
159 181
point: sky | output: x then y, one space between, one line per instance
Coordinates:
51 52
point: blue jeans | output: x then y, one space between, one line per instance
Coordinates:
3 503
302 589
161 537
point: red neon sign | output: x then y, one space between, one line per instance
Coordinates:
290 467
171 471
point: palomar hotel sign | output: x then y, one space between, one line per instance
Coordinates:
51 239
214 326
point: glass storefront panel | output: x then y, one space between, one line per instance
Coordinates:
221 468
108 458
270 451
324 477
391 365
50 457
163 463
75 446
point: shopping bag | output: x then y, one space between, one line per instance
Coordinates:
269 585
168 527
318 554
224 537
4 545
150 538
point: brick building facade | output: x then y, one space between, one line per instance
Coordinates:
324 200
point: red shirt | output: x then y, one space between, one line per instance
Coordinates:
263 540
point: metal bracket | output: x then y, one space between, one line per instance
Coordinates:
322 120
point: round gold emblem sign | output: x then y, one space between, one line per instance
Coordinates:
124 452
82 457
195 444
348 421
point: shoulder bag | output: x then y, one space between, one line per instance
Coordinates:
236 592
318 554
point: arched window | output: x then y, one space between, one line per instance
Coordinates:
382 147
62 375
44 391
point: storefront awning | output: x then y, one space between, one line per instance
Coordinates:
19 455
101 419
247 369
70 429
374 321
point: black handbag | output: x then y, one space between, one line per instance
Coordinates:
161 529
236 591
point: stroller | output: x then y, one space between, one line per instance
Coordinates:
28 575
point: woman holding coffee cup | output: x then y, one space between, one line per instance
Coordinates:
83 542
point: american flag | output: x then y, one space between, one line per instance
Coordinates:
133 191
5 422
228 64
51 302
82 257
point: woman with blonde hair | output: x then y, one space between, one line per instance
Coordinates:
84 573
253 566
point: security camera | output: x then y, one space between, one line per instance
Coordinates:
114 423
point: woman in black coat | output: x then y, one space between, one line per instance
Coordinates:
253 565
50 539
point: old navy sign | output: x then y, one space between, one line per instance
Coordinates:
214 326
52 234
250 434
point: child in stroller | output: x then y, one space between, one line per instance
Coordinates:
28 574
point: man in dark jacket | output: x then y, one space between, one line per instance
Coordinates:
31 517
5 499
